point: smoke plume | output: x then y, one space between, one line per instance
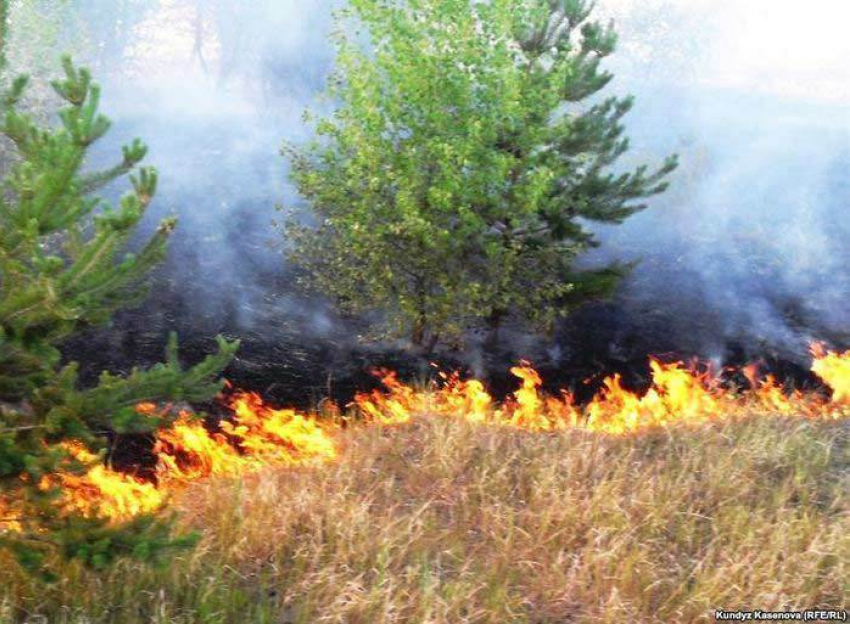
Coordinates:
747 251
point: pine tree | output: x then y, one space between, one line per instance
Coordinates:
467 146
63 268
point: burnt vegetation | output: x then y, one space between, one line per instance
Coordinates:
532 371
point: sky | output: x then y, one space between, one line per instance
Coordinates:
779 46
792 48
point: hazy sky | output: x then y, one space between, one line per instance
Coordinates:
782 46
790 47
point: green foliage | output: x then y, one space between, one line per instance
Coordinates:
63 268
451 181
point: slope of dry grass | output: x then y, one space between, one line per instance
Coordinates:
442 521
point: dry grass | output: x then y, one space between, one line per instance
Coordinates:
446 522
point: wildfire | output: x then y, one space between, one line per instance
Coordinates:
257 435
104 492
677 395
834 369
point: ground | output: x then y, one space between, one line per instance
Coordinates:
446 521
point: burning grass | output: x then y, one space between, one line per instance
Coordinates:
449 521
258 436
443 506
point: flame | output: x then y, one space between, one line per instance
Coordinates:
257 435
465 397
834 369
9 516
104 492
392 408
188 451
678 394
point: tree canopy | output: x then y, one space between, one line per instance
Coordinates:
469 147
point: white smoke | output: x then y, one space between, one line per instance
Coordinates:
751 240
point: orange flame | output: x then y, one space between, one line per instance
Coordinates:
834 369
677 395
259 436
104 492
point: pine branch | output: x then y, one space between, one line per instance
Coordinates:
164 382
56 278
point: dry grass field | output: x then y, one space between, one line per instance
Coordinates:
447 521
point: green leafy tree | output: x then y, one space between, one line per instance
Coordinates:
63 268
467 147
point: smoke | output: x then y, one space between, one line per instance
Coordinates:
214 88
748 248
